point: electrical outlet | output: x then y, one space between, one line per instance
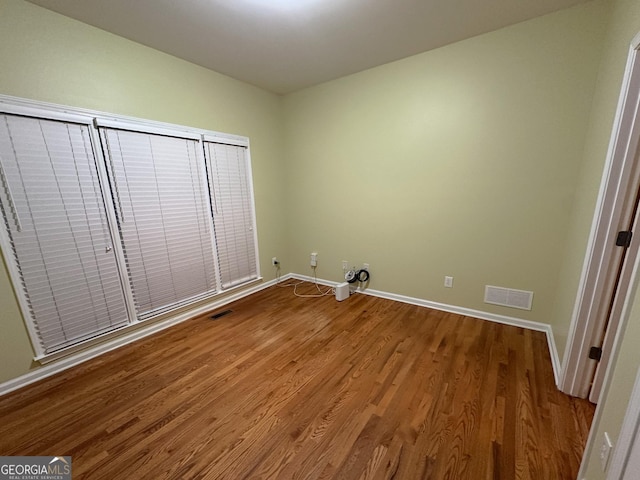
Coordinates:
274 261
314 259
448 282
345 264
365 266
605 451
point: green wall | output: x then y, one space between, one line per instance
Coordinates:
461 161
49 57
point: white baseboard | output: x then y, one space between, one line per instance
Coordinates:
74 359
553 353
492 317
64 363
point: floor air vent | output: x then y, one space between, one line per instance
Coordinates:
218 315
508 297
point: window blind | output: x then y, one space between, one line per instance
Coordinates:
161 199
74 181
54 214
233 214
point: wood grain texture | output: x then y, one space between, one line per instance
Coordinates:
292 388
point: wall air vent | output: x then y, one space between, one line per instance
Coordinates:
508 297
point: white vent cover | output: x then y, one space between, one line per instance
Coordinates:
508 297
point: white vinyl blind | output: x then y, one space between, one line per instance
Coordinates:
233 214
161 200
55 219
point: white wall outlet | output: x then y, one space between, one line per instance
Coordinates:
605 451
314 259
274 261
345 264
365 266
448 282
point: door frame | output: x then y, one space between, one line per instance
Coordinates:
598 275
620 301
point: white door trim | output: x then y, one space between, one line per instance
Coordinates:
597 277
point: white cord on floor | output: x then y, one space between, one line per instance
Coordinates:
329 291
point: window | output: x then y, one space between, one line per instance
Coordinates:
233 214
58 233
162 205
109 221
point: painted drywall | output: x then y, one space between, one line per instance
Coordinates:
595 151
463 161
624 25
51 58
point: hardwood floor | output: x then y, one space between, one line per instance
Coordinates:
285 387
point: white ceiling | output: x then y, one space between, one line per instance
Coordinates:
287 45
